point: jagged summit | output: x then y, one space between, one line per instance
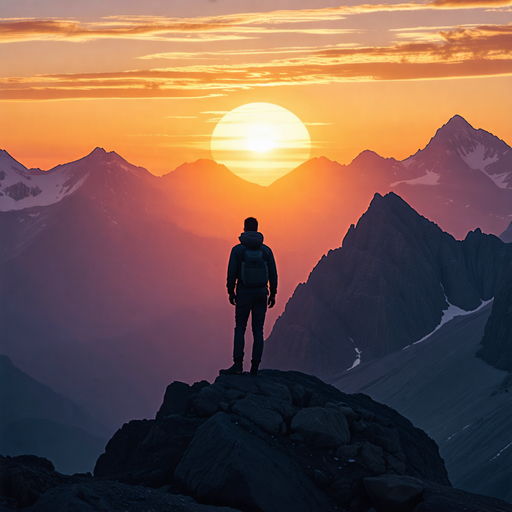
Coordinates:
456 124
395 268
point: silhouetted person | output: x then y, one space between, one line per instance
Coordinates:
252 285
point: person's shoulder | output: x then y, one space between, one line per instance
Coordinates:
266 248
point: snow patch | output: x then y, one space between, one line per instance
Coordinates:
450 314
431 178
479 159
500 452
462 430
358 357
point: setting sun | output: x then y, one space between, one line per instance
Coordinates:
260 142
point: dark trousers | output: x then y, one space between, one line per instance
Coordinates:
256 304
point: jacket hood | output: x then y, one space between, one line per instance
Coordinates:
251 239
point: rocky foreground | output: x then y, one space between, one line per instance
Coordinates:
278 442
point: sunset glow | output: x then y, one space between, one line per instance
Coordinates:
151 81
260 142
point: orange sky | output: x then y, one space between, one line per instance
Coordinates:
150 79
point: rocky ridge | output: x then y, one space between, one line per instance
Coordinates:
396 268
282 441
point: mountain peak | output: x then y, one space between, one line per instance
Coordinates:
456 126
367 157
458 121
98 151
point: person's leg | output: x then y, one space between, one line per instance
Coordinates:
259 309
242 310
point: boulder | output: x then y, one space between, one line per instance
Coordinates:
438 498
256 409
105 496
226 465
175 399
321 427
208 401
373 458
151 461
392 493
25 478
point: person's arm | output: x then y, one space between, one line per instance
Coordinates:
272 274
232 272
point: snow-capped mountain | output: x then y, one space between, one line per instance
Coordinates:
458 147
23 188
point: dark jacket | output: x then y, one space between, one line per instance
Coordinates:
252 240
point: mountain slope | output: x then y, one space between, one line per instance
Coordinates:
497 340
506 236
38 421
105 292
455 397
385 288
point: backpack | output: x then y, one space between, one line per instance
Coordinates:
254 269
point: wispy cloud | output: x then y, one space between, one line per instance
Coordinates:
484 50
223 27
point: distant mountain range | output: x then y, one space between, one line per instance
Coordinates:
38 421
114 279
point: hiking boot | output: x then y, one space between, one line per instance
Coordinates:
254 366
236 368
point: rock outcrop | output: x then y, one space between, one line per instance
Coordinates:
278 442
31 483
385 288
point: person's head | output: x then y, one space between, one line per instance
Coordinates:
250 224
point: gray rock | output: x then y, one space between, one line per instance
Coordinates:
23 479
388 445
275 390
147 452
105 496
346 452
373 458
358 426
299 395
296 438
176 397
245 383
18 191
391 493
234 394
366 415
321 428
255 409
208 401
349 414
321 479
394 464
224 464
